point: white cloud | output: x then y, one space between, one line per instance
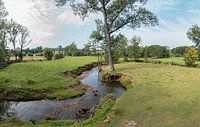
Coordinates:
161 5
67 17
42 17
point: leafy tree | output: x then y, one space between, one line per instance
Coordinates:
179 51
194 35
3 32
157 51
191 56
48 53
14 31
116 14
134 50
23 42
119 44
71 49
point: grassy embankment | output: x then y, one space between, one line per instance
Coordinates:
42 79
163 96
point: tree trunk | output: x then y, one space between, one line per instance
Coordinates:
111 65
15 53
108 40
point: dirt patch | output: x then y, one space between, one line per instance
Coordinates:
75 86
111 77
83 75
131 124
68 74
13 97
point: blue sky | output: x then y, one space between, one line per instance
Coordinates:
51 26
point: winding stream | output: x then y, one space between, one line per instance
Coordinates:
74 108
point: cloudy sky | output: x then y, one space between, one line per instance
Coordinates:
51 26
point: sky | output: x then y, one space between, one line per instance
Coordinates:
51 26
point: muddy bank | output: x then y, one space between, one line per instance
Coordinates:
125 80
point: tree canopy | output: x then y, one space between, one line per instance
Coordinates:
115 15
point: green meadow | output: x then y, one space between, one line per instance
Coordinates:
42 79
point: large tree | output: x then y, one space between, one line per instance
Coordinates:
194 35
116 14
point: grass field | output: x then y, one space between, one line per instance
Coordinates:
42 79
164 96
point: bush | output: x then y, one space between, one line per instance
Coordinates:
58 56
39 54
2 55
48 53
191 57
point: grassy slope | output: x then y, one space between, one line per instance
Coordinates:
47 76
164 96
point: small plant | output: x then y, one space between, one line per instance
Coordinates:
191 56
48 53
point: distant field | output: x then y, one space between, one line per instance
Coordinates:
35 80
30 58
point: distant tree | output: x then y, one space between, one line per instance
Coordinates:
38 49
194 35
116 14
87 50
179 51
23 42
48 53
191 56
134 50
157 51
119 44
71 49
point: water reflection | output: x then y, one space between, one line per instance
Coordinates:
64 109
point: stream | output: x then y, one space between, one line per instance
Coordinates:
78 108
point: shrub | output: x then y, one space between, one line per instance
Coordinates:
2 55
58 56
48 53
191 57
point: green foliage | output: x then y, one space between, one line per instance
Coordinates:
191 56
134 50
194 35
71 49
2 55
119 44
179 51
116 14
157 51
58 55
48 53
115 57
